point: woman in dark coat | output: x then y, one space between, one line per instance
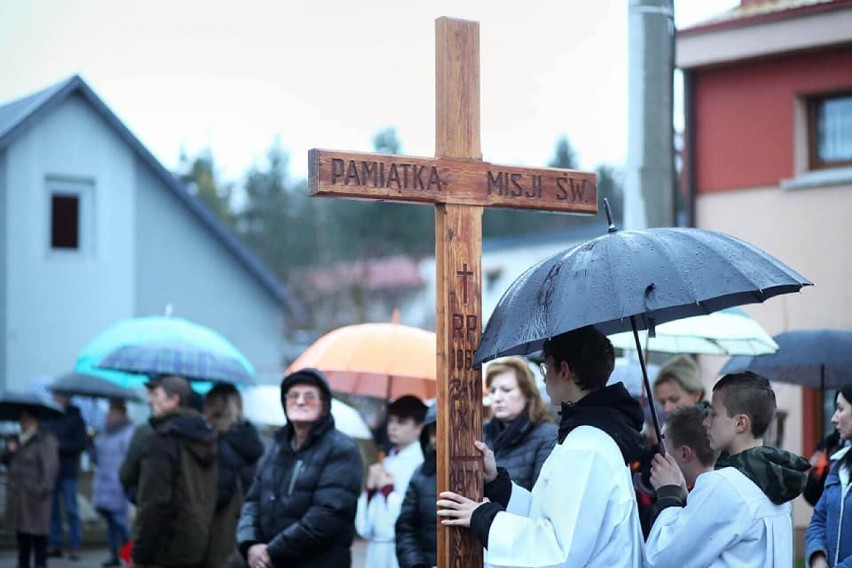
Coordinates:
521 434
33 464
239 448
300 510
416 526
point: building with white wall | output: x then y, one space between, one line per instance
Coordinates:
96 230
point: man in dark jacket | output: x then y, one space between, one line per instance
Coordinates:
70 432
177 481
300 509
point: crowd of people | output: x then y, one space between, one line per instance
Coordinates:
208 492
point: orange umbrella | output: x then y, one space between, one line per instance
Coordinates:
385 360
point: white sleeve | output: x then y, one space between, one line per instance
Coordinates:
697 534
572 507
376 518
519 501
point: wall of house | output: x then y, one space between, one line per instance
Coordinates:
179 263
57 300
803 228
746 116
4 270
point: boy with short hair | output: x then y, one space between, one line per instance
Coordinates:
379 505
739 514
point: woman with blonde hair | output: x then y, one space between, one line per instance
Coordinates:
521 433
678 384
239 448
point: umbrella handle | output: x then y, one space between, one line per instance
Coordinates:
654 418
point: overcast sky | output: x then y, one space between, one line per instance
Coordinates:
232 76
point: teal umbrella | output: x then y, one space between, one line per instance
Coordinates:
153 330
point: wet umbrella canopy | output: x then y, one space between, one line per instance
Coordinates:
12 403
630 280
816 358
81 384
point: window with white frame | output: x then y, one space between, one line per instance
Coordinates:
69 212
830 131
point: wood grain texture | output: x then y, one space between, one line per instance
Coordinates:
459 181
458 250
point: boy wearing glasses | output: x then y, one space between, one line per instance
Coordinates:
582 510
301 506
381 502
738 514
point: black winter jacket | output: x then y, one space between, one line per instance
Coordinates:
521 447
417 524
70 431
302 502
239 449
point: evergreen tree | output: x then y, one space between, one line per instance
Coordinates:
200 177
275 222
564 155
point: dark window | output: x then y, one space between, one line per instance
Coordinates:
65 222
830 131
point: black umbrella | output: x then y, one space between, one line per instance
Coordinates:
81 384
816 358
631 280
12 403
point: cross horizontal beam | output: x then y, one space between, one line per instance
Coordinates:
385 177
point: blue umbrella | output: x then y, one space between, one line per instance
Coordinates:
177 359
159 330
816 358
631 280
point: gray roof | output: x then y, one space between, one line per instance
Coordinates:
17 116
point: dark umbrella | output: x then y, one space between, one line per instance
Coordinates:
631 280
177 359
81 384
12 403
816 358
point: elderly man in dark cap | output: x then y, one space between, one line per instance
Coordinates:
300 509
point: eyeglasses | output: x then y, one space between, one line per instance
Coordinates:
543 368
307 396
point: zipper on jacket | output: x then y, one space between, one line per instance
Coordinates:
844 491
296 471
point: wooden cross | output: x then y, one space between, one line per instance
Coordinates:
459 184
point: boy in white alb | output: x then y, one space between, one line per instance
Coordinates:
582 510
380 503
738 514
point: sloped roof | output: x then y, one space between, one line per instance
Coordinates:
754 12
396 272
18 116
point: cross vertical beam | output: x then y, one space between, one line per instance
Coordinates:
458 247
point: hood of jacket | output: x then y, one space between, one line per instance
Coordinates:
781 475
194 432
429 452
243 439
315 378
612 410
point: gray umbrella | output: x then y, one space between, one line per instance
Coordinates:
12 403
630 280
816 358
81 384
